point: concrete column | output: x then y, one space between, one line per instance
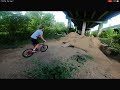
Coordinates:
69 24
99 29
83 28
76 29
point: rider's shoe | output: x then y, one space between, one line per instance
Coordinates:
34 51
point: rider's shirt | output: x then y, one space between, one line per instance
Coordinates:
37 33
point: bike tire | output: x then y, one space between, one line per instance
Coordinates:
27 51
44 48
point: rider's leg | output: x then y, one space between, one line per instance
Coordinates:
35 43
36 46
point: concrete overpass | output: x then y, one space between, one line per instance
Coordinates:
86 19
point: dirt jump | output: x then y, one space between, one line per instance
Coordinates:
13 64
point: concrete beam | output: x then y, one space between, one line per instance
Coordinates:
83 28
103 15
70 13
84 14
101 22
94 21
93 14
77 14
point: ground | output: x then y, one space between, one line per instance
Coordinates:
13 65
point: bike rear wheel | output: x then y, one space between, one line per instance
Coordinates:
27 53
44 48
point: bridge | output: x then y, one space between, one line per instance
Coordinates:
84 20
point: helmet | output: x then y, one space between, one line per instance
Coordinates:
41 27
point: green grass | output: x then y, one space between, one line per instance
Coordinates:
51 71
81 58
58 69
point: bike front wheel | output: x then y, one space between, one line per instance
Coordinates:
44 48
27 53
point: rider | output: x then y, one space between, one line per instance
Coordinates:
35 35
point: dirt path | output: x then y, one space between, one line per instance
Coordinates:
13 65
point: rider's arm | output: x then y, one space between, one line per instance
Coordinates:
41 36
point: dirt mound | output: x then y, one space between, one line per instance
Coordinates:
70 37
73 35
96 42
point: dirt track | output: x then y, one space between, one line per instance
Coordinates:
13 65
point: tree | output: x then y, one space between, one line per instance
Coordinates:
36 19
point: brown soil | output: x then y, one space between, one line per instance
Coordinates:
13 65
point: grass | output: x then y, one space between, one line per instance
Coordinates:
58 69
81 58
51 71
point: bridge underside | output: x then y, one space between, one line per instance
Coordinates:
91 18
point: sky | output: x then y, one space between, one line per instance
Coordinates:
59 16
111 22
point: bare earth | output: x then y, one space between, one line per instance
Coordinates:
13 65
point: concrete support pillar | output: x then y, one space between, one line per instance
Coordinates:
83 28
69 24
76 29
99 29
90 32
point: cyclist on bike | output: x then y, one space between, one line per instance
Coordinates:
35 35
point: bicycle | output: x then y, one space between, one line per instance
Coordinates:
28 52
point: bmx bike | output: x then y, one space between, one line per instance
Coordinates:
28 52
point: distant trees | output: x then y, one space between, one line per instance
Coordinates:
16 27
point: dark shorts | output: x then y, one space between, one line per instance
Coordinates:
34 41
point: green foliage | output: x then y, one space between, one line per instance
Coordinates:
36 18
58 69
55 31
117 39
15 27
94 33
105 40
115 52
109 33
81 58
13 23
87 33
72 30
113 41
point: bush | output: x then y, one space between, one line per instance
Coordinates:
94 33
109 33
58 69
52 71
105 40
87 33
117 39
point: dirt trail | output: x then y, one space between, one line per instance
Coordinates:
13 65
